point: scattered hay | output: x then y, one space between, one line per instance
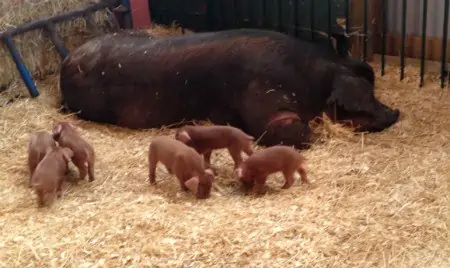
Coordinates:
375 200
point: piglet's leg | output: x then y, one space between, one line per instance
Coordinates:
289 177
152 162
82 169
40 198
59 188
91 170
303 175
235 152
259 188
182 181
207 158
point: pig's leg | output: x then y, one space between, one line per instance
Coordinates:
303 175
248 150
40 197
235 152
182 179
82 168
59 188
82 171
289 178
207 158
152 162
259 186
91 170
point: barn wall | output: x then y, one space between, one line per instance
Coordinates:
414 18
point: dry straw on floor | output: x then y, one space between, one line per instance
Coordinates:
376 200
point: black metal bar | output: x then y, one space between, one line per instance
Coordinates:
23 71
279 15
56 19
311 13
329 21
444 44
402 56
347 17
262 20
54 36
295 14
366 7
236 14
424 39
383 35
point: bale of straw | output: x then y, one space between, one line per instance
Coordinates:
36 49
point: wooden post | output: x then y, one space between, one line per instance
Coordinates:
140 12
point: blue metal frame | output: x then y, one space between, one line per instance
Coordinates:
48 25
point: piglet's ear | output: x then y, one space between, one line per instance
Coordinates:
238 173
192 184
209 171
184 136
57 130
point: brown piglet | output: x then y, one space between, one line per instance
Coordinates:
254 171
83 154
204 139
37 146
51 172
184 162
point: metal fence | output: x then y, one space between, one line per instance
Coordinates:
310 19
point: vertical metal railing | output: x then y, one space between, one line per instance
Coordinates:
444 44
383 35
329 21
366 8
279 15
311 13
402 52
424 41
295 15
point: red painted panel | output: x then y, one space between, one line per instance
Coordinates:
141 14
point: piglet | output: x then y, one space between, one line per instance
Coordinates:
37 146
253 171
204 139
51 172
184 162
83 154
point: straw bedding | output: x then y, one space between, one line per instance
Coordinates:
375 199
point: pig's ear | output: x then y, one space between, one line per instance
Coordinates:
209 173
57 130
192 184
238 173
184 136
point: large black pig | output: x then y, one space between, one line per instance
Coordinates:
267 83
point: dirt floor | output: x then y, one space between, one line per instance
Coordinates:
376 200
